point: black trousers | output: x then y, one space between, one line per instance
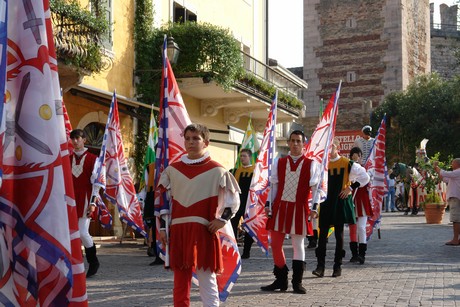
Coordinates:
322 243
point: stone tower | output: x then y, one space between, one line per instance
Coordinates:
445 42
375 47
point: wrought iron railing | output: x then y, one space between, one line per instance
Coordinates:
78 43
270 75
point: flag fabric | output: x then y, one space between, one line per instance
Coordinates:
251 142
259 191
68 126
3 60
119 187
41 260
172 121
320 143
173 118
150 152
378 186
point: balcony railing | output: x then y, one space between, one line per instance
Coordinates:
271 76
76 37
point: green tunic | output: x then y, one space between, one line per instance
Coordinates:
334 210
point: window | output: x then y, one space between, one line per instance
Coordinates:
351 23
351 76
104 8
182 14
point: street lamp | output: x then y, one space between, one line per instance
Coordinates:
172 50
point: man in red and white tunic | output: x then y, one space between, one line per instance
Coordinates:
203 196
82 168
293 177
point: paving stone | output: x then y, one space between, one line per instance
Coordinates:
408 266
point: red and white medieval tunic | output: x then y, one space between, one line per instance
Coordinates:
362 202
82 169
199 190
293 178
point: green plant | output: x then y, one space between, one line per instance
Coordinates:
82 30
428 108
146 88
431 177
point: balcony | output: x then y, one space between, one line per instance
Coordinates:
77 41
225 81
250 95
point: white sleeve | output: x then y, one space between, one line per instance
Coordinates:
315 174
230 192
358 174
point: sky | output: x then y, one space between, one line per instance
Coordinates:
285 42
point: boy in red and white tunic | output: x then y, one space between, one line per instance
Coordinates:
204 196
82 168
292 179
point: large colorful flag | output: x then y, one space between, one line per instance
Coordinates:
319 146
259 191
172 122
41 259
378 186
251 142
117 182
3 60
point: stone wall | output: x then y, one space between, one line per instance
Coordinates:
445 42
374 47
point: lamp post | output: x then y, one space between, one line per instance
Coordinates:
172 50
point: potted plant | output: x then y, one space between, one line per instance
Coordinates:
433 204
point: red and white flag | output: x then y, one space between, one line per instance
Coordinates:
259 191
68 127
42 259
113 173
378 186
319 146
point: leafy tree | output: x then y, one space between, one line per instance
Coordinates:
428 108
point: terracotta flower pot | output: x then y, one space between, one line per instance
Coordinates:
434 213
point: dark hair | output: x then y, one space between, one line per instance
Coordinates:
201 129
246 150
76 133
297 132
356 150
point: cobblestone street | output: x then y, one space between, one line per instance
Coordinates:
409 266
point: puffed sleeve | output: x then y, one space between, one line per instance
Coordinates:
229 193
358 174
315 174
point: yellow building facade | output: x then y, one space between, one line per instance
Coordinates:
226 113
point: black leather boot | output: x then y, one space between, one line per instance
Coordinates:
281 280
338 257
92 260
362 252
298 267
337 270
321 258
354 252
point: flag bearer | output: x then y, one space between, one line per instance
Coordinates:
82 167
292 179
